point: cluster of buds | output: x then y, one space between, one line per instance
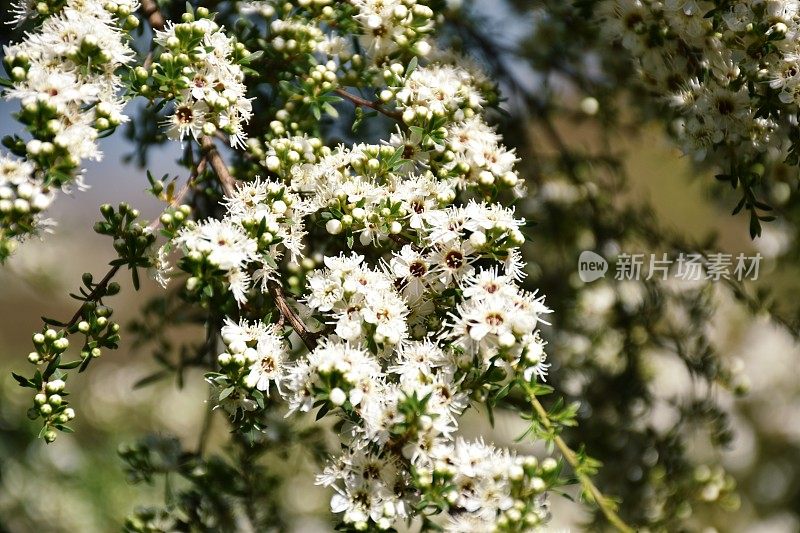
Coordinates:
22 198
333 375
364 195
294 38
285 152
49 401
252 361
200 68
433 95
307 100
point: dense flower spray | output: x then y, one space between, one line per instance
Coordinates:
374 283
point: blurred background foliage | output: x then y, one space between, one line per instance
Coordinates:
689 392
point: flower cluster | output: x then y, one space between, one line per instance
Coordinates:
22 199
200 69
470 471
731 72
263 219
433 92
65 76
496 322
403 456
394 25
363 303
253 361
396 262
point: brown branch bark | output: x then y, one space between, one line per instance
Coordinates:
276 291
227 181
363 102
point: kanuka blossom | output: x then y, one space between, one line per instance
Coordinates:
263 219
22 197
65 76
412 318
263 349
216 95
390 25
360 302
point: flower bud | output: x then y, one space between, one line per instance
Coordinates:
477 239
338 396
549 464
57 385
61 344
333 226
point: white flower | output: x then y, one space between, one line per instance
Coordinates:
269 365
187 120
224 244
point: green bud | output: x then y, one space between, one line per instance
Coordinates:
61 344
56 385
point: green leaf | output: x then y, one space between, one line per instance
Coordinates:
152 378
23 382
412 65
225 393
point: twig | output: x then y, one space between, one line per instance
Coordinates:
276 291
196 171
227 181
588 485
152 227
363 102
100 287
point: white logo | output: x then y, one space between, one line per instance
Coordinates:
591 266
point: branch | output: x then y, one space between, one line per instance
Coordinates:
100 287
363 102
276 291
152 227
153 14
227 181
568 454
